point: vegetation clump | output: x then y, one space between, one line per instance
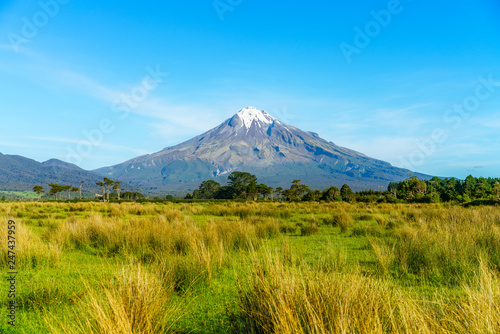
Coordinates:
234 266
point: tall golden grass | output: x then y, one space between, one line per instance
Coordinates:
447 244
300 300
433 268
284 299
31 252
170 238
136 301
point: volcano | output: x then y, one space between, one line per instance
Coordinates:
253 141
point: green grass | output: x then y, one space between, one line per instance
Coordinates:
208 258
24 195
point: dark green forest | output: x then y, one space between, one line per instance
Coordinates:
242 185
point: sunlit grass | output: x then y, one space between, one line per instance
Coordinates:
254 267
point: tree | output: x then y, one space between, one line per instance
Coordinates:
108 183
38 190
75 189
208 189
418 188
469 184
244 184
196 193
132 195
102 185
482 188
55 189
264 190
296 191
117 188
393 188
496 190
224 192
346 193
450 191
81 186
312 195
330 194
279 193
412 189
287 194
68 189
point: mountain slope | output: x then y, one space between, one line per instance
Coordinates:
254 141
19 173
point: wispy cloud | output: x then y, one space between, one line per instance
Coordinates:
55 139
84 85
490 122
6 47
106 146
190 117
22 145
19 50
384 148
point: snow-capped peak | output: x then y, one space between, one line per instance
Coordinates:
249 114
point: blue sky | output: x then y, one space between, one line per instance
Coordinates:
97 83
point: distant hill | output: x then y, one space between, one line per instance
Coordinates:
18 173
254 141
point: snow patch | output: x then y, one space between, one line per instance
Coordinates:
250 114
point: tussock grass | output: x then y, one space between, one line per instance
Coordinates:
309 229
479 311
384 255
384 268
446 245
170 240
299 300
136 301
249 209
31 252
334 259
288 299
341 219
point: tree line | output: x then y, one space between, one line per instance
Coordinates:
446 190
242 185
106 186
55 189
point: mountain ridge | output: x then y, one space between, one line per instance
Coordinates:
18 173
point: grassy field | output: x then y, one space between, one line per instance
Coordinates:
253 268
24 195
